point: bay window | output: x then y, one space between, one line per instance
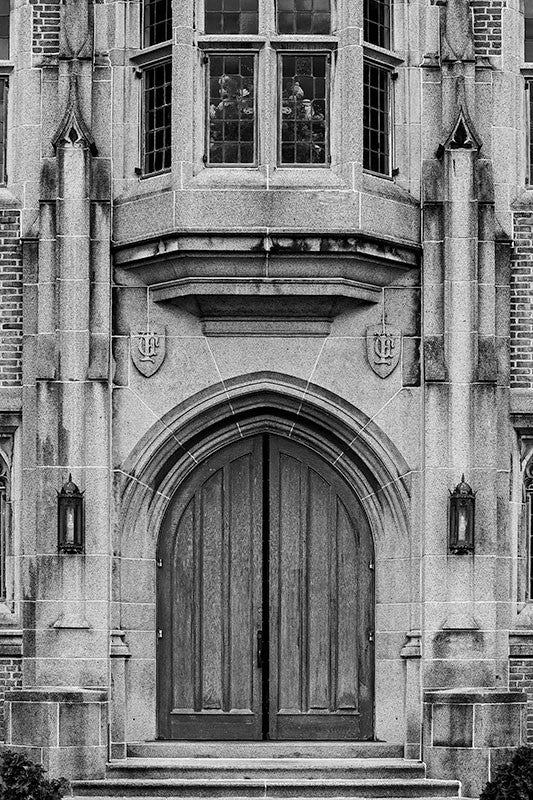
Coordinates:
266 76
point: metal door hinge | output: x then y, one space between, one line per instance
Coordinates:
159 562
370 565
370 635
159 634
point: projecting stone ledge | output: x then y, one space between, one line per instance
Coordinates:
469 732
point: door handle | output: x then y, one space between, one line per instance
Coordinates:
259 649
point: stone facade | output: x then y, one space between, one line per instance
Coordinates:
382 321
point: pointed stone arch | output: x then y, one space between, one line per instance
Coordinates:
340 433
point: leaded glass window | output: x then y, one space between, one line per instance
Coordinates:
528 30
304 112
304 16
231 16
231 109
157 21
376 118
377 22
157 89
4 29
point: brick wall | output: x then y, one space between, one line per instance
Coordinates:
10 299
10 678
488 26
521 680
45 28
522 302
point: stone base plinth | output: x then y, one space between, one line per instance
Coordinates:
468 733
63 729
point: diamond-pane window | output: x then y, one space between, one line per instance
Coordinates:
376 119
157 90
304 16
231 16
157 21
303 109
377 22
231 109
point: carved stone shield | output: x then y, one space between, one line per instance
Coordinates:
383 348
148 349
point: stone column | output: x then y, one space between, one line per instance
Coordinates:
66 427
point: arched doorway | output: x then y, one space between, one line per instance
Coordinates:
265 599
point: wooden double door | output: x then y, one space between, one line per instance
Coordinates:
265 600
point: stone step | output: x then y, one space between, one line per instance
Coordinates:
299 749
366 788
266 768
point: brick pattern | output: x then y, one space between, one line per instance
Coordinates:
10 299
522 302
521 680
488 26
10 678
45 28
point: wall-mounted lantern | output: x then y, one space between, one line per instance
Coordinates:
70 519
461 519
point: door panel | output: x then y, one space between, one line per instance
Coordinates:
321 576
209 600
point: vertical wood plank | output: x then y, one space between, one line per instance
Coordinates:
349 611
288 590
212 525
184 618
318 581
240 611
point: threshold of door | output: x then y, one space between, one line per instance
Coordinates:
263 749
